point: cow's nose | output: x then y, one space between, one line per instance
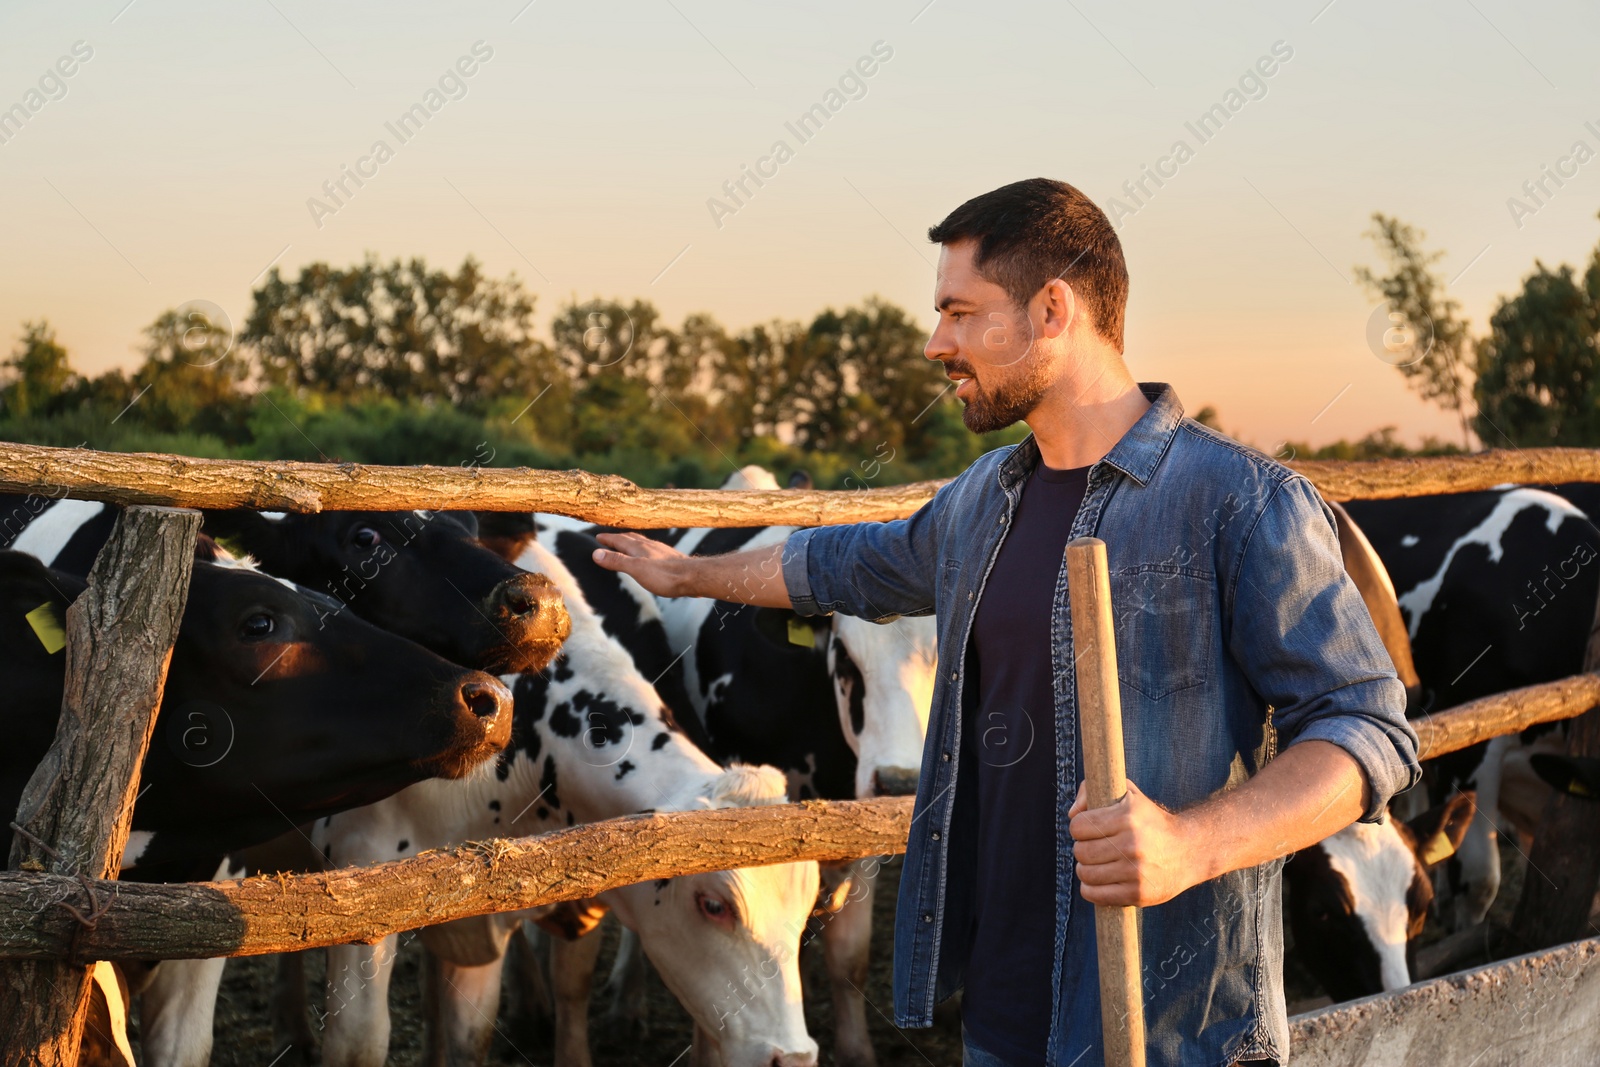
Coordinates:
486 700
794 1059
523 596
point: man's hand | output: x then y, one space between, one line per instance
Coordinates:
754 576
1137 852
1134 852
658 567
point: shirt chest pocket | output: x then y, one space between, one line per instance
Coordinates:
1163 622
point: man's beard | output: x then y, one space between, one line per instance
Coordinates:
1007 404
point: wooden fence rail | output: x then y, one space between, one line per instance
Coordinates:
290 912
182 481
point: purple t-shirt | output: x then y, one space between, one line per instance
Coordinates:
1006 1006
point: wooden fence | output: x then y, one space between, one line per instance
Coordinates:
60 905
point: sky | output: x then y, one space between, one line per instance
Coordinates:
587 151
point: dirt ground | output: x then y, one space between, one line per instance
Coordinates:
244 1036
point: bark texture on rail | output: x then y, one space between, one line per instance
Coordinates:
149 478
1385 479
80 798
291 912
1505 713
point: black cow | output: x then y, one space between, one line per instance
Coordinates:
276 711
421 575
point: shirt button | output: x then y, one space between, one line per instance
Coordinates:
945 756
970 594
927 916
936 835
953 676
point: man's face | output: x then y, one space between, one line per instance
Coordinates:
986 344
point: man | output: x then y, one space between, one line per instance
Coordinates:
1261 713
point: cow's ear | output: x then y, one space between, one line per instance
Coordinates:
1578 775
787 629
245 532
469 519
1439 830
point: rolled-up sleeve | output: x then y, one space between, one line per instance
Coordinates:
1304 639
873 570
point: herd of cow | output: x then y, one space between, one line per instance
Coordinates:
349 688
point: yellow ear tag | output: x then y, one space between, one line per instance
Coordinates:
1578 789
1438 849
800 634
46 628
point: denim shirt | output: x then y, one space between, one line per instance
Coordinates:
1238 633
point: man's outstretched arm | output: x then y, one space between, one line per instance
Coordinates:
754 576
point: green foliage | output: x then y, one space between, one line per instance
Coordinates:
397 363
1537 369
39 373
1413 289
397 330
1381 443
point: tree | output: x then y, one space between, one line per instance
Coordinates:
191 378
1414 292
40 373
1538 378
398 330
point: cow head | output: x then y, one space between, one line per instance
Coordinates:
279 710
1577 775
882 675
420 574
1359 898
727 944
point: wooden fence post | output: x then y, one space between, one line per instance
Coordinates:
1564 864
1106 781
76 808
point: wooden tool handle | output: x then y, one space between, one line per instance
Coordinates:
1106 781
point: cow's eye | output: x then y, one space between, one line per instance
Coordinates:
257 626
365 537
714 908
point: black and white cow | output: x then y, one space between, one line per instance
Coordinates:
591 740
838 703
269 715
1357 901
1498 591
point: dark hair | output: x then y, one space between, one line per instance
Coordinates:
1033 231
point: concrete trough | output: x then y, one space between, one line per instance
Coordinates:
1540 1008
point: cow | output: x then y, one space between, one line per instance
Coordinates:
1578 775
419 574
1358 899
591 740
1498 591
839 703
270 715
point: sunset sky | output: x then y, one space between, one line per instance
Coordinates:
179 159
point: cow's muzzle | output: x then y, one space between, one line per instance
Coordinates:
528 611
